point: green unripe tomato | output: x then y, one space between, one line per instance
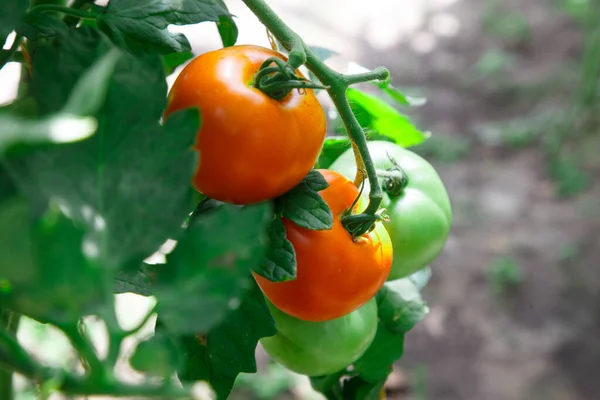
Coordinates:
416 201
321 348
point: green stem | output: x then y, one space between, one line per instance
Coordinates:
84 347
10 325
77 5
63 10
378 73
5 56
338 84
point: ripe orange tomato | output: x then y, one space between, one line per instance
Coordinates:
251 147
335 275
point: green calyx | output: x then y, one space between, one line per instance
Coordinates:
277 79
394 181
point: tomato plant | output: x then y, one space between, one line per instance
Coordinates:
417 204
321 348
100 169
252 147
335 274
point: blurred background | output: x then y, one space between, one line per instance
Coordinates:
513 108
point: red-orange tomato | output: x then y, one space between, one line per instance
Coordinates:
335 275
251 147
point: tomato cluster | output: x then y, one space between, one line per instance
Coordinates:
254 148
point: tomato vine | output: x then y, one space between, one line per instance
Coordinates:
337 85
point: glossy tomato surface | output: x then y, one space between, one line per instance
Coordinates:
335 275
420 214
321 348
251 147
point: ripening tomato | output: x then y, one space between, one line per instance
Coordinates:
251 147
321 348
335 275
419 210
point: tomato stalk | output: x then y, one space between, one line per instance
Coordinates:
337 85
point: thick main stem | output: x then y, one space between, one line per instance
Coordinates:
337 83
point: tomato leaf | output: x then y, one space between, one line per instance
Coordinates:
128 185
89 93
376 364
333 147
323 53
44 270
173 60
136 27
383 120
11 13
160 356
210 267
421 277
358 388
305 206
229 348
133 281
280 263
39 25
400 305
315 181
227 30
398 96
399 308
17 130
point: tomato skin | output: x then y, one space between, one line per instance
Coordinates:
420 217
335 275
321 348
251 147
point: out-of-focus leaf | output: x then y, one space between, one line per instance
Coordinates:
229 348
381 119
128 185
210 267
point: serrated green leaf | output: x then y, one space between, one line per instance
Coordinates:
315 181
173 60
229 349
45 270
135 28
304 206
129 185
279 265
400 305
11 12
210 267
376 364
160 356
39 25
228 30
333 147
382 119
